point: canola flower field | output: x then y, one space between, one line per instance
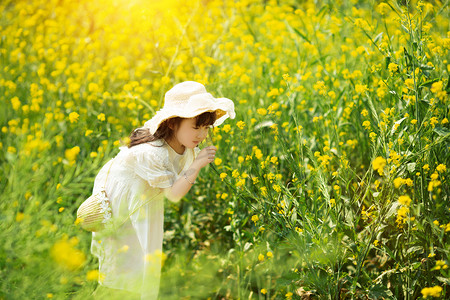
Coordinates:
331 183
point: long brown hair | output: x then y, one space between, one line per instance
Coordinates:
165 129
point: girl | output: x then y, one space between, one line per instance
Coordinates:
162 160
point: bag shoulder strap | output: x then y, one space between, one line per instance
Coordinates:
107 174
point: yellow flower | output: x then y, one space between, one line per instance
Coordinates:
366 125
101 117
404 200
286 77
378 164
440 264
263 291
217 161
269 254
73 117
258 154
409 82
71 154
289 295
398 182
20 216
261 257
262 111
393 67
263 190
240 124
92 275
361 88
383 9
431 291
223 176
441 168
123 249
226 128
15 102
255 218
64 253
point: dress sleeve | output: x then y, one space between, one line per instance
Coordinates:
152 166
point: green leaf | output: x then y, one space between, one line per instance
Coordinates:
429 83
379 291
411 167
443 279
442 131
447 87
378 37
414 249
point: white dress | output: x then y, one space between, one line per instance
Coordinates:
130 256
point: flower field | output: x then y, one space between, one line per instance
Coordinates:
331 183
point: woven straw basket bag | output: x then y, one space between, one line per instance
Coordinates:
95 212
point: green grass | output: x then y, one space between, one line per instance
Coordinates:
342 111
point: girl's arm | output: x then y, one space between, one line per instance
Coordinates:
180 187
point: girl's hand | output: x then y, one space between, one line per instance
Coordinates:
206 156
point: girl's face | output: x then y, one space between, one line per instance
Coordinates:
187 135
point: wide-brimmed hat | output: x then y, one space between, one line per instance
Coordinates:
190 99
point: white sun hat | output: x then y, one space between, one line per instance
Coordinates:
187 100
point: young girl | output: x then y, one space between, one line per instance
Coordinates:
162 161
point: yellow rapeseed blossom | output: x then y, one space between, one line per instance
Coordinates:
366 125
440 264
393 67
398 182
240 124
71 154
15 102
101 117
378 164
431 291
441 168
255 218
66 255
383 8
92 275
404 200
73 117
20 216
261 111
361 88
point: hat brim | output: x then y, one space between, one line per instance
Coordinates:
196 105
